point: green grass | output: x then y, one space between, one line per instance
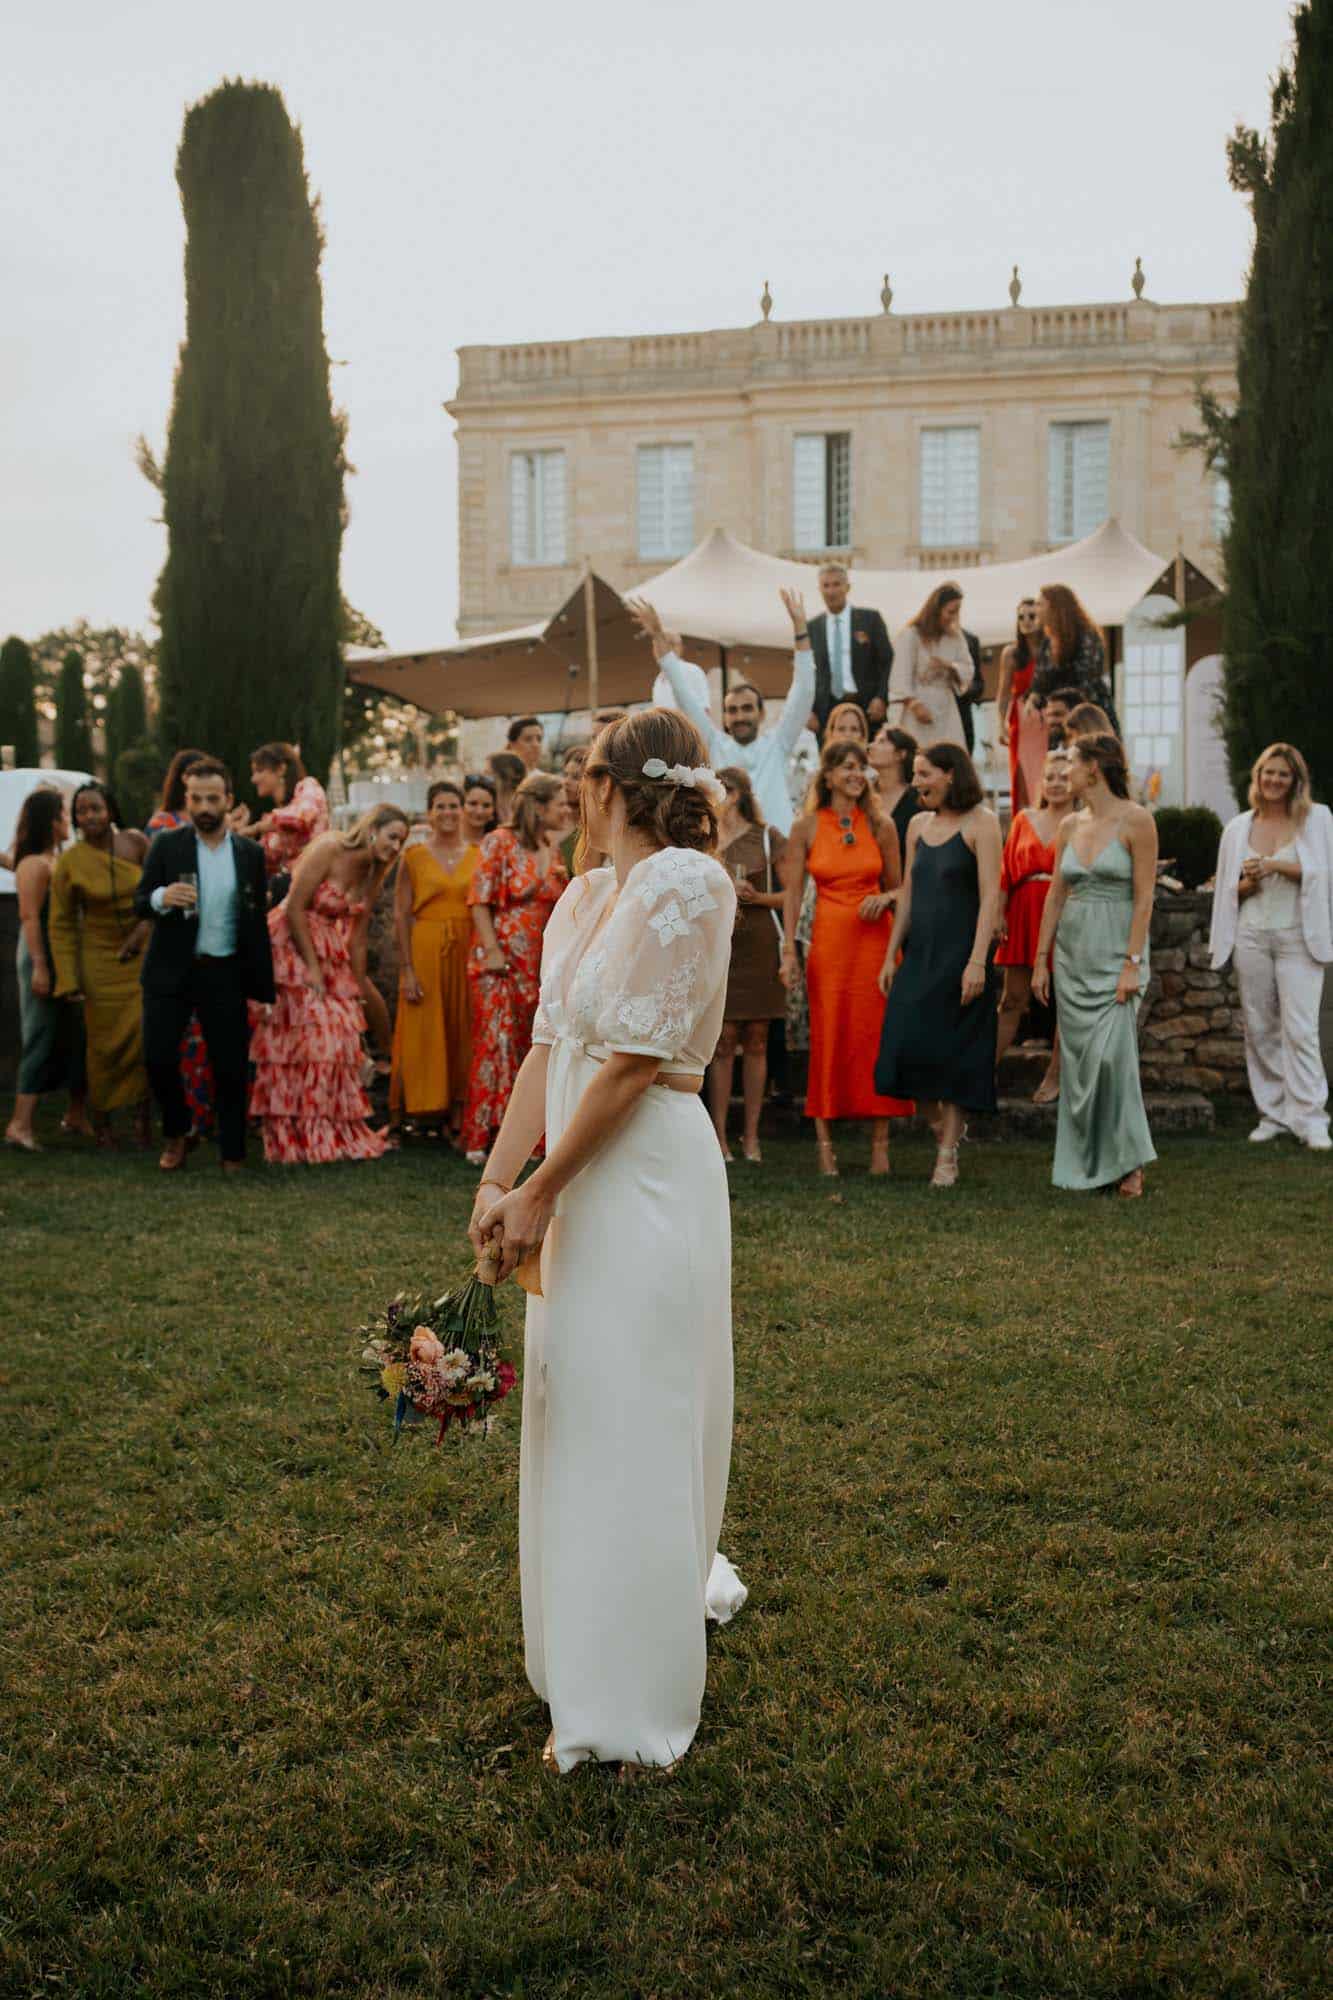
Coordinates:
1031 1492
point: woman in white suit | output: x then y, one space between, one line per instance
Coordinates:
1273 909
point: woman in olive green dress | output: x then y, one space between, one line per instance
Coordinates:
96 941
1097 916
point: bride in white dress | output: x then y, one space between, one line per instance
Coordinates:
627 1389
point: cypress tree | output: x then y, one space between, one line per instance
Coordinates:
252 481
126 717
1277 446
74 740
18 703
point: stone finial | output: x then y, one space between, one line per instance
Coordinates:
1015 288
766 302
1138 281
886 294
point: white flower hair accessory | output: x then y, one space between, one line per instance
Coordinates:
700 779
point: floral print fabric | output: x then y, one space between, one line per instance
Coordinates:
509 881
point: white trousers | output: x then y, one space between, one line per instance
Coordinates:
1280 990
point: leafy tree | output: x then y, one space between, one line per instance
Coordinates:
378 732
74 738
18 703
1276 446
252 480
136 778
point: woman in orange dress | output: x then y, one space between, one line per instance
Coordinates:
849 848
519 879
1025 883
432 1041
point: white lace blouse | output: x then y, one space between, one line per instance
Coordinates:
641 970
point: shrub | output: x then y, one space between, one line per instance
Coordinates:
1187 837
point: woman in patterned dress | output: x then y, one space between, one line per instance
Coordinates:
308 1094
518 882
196 1074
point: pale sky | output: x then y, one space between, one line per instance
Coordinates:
528 172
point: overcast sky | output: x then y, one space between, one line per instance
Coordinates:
527 171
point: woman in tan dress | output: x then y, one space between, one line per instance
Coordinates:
932 667
751 853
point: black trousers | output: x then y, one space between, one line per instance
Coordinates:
215 991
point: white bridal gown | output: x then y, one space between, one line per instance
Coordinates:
627 1384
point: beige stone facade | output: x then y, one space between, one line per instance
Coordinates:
740 398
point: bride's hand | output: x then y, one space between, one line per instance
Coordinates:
521 1219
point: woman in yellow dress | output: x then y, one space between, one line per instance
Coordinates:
432 1043
96 940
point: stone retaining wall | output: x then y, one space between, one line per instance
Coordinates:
1190 1030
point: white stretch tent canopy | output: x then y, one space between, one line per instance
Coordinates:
724 595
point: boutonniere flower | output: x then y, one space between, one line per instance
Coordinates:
861 638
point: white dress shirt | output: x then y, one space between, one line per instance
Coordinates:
838 631
215 911
766 758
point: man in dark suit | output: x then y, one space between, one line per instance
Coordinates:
204 888
973 693
853 652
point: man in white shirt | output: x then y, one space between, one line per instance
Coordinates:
740 741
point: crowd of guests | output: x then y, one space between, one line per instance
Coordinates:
217 962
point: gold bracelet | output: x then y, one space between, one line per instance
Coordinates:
489 1180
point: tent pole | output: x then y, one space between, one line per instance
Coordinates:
722 663
590 621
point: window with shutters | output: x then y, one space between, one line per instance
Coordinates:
1078 480
666 499
951 486
1221 510
537 507
822 490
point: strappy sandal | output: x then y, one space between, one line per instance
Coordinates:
828 1159
946 1167
1131 1187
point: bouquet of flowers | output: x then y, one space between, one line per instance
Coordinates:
440 1357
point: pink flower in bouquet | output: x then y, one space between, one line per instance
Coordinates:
425 1349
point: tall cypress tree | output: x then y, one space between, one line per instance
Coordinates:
18 703
1277 445
126 717
74 739
252 482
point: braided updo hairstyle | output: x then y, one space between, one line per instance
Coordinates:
671 815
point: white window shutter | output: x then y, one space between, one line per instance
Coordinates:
679 499
809 492
520 507
552 549
951 486
1078 480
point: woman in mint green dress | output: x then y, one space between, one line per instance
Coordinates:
1097 916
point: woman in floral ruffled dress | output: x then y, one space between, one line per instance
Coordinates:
308 1094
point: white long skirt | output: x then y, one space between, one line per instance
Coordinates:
627 1397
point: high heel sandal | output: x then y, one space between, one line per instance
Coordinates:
754 1156
828 1159
549 1758
946 1167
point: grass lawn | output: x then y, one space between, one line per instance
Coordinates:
1030 1698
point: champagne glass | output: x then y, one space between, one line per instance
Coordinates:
191 881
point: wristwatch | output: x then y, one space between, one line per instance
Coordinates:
1133 958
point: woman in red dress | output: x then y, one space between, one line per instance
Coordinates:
849 848
308 1094
1024 732
1025 883
298 807
518 882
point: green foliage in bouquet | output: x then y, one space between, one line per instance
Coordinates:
440 1357
1188 838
